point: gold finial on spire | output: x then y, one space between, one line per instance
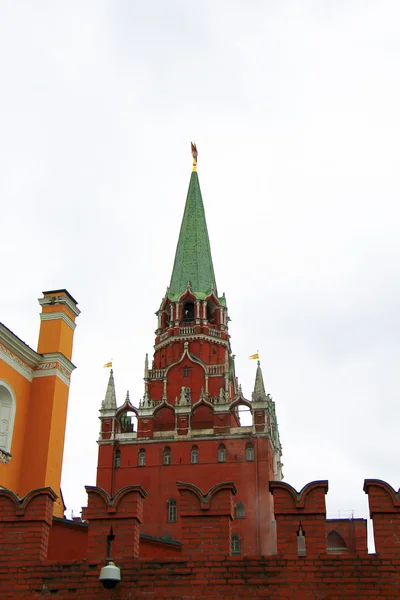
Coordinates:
194 154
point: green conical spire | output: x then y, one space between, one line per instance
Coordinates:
193 260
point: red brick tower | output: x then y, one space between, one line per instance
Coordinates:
188 422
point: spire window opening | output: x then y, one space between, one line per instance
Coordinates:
249 452
186 371
235 544
194 455
239 511
171 511
142 458
167 456
221 453
117 459
188 312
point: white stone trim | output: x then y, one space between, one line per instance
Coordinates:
188 338
54 300
54 316
60 358
55 363
17 347
51 370
204 436
15 362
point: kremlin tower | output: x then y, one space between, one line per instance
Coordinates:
188 420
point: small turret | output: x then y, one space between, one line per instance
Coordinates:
259 394
110 400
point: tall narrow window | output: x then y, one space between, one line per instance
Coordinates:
301 542
235 544
167 456
7 412
117 459
188 311
239 510
221 453
142 458
194 455
249 452
171 510
186 371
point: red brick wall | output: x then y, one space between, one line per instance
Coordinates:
205 573
331 578
67 541
251 479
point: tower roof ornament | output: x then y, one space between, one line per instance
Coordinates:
194 154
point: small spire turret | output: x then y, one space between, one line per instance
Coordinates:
110 400
259 388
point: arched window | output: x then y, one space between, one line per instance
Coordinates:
117 459
7 413
142 458
194 455
167 456
221 453
171 504
249 452
235 544
239 510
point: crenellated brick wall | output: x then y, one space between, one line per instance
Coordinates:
204 569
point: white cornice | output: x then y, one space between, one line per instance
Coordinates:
15 362
234 435
60 358
190 337
17 347
53 316
29 363
51 371
54 300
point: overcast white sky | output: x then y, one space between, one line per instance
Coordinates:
295 110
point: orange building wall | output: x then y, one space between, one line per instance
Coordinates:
37 443
10 473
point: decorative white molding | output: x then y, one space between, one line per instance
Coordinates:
15 362
60 358
194 435
51 370
18 347
196 336
54 316
54 300
55 363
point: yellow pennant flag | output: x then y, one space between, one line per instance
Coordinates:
109 364
253 356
